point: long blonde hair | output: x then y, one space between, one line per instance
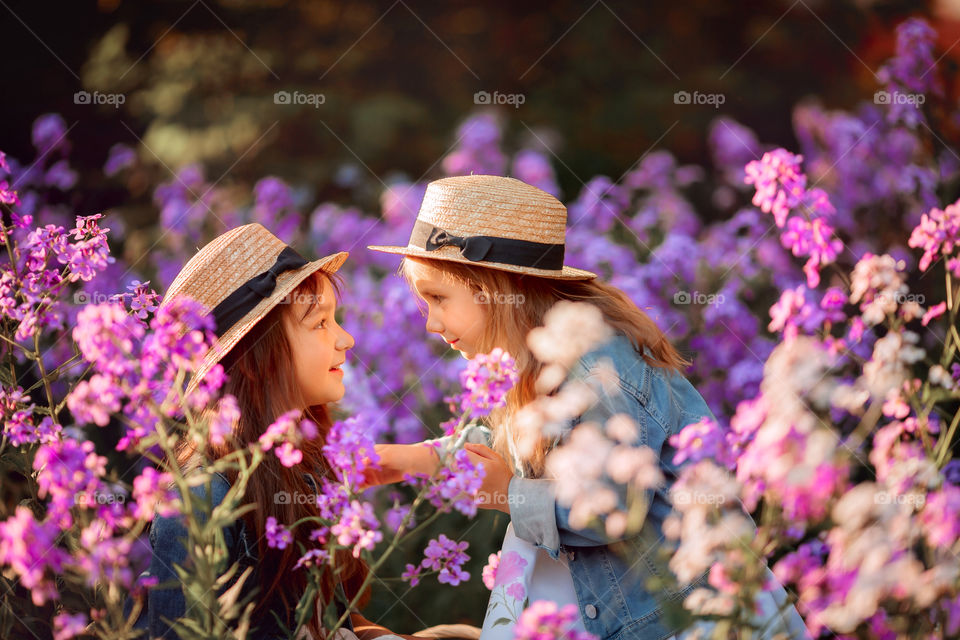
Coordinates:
517 304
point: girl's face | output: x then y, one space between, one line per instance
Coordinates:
453 311
319 345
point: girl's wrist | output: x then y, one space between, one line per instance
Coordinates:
427 459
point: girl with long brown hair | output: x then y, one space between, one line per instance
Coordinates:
281 348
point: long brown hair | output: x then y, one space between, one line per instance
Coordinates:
262 399
518 302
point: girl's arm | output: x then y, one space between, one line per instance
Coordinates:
422 457
367 630
399 459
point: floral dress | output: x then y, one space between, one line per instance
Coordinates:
520 574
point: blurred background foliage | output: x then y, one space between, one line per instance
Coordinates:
598 81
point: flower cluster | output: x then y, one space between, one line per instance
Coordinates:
486 381
544 620
443 556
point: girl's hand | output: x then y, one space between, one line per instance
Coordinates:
399 459
496 482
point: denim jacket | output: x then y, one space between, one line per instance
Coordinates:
167 537
611 584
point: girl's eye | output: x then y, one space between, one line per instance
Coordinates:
438 299
322 324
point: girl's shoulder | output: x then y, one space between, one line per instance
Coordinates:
618 356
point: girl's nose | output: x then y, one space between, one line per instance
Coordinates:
433 324
345 341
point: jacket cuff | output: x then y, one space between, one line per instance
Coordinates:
533 512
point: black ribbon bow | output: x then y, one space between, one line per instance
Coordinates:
473 248
523 253
253 291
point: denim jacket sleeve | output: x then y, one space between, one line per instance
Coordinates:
475 433
168 536
659 405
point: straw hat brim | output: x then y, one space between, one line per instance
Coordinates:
286 283
452 254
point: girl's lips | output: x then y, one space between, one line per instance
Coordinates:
336 369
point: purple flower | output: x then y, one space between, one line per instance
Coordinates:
698 441
396 515
66 625
350 450
143 300
7 194
937 234
49 133
68 472
29 548
312 558
486 381
278 536
456 485
109 338
153 492
119 158
791 312
814 239
447 557
780 184
358 527
544 620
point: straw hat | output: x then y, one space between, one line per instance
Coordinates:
242 275
492 221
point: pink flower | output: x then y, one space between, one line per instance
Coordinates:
278 536
490 571
510 568
933 312
517 592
